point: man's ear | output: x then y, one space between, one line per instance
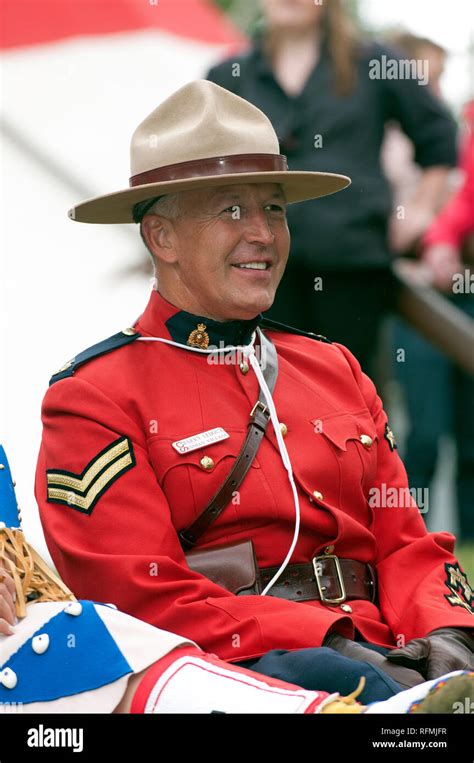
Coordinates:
159 235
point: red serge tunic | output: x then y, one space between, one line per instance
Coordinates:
113 492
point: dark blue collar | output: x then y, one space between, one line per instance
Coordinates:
199 331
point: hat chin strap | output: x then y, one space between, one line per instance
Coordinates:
248 352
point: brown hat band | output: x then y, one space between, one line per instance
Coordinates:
216 165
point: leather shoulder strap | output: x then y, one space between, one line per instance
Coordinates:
259 418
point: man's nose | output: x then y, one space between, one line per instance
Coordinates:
257 229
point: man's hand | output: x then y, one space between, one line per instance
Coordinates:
405 676
440 652
7 601
405 233
442 261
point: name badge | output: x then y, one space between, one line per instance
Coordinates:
200 440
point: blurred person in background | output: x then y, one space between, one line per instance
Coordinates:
315 77
445 405
397 155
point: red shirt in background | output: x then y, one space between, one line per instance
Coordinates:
456 220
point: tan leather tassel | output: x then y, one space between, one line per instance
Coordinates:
33 578
347 704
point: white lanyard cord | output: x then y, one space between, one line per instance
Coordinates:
249 352
284 457
196 349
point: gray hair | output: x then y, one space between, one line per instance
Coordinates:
168 206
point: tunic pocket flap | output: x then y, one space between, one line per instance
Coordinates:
205 459
343 427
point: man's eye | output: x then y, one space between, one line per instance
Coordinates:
235 210
278 208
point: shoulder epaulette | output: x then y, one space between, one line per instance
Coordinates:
277 326
101 348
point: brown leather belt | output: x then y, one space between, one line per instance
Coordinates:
327 577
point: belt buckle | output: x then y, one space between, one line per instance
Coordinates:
326 599
260 405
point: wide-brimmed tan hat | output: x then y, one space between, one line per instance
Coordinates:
199 137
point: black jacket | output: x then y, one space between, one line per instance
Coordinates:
347 229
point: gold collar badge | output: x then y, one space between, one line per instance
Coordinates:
199 337
390 437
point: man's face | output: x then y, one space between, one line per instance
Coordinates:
219 231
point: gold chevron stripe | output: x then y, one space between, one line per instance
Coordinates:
85 502
81 484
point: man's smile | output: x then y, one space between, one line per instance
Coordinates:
258 267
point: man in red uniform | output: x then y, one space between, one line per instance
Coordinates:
141 430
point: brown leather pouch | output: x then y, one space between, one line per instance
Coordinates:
233 567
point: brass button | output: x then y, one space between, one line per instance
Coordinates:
244 367
346 608
319 496
2 466
129 332
283 429
207 462
329 550
366 441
